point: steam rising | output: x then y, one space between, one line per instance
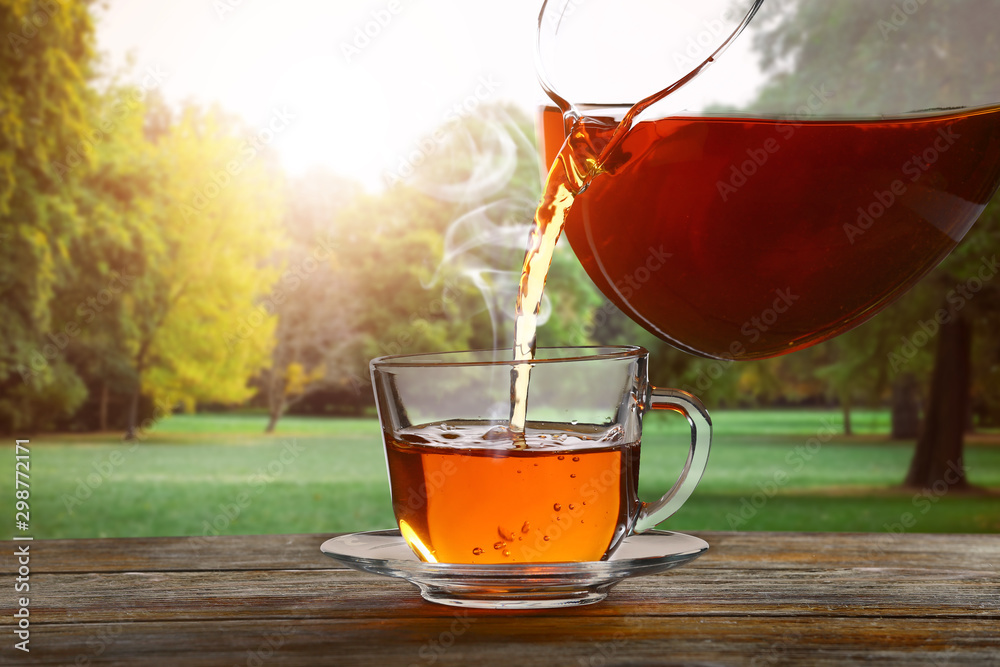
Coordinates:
493 157
494 167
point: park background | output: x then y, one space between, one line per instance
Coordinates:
195 273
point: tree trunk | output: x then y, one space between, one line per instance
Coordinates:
905 408
275 415
102 412
276 402
938 456
133 410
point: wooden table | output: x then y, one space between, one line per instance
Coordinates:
753 599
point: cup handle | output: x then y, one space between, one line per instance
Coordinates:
694 411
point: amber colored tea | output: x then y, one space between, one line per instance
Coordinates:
560 494
752 237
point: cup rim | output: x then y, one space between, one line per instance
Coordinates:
453 359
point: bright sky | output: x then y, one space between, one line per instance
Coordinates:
359 103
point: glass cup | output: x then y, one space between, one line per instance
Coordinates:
467 490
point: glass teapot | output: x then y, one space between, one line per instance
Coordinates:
836 153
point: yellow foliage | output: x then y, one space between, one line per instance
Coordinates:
220 214
297 379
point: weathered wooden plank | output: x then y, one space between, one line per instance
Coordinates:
153 554
461 638
728 550
755 598
262 594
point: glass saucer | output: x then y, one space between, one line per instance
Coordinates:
514 585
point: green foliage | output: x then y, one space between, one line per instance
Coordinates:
115 195
54 392
399 240
133 256
132 239
436 256
45 63
874 59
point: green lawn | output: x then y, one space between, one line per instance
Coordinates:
206 474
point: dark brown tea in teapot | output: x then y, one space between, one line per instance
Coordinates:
751 237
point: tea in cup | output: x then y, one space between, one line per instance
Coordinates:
467 489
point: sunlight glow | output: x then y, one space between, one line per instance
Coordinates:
361 99
415 543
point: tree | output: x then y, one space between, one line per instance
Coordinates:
213 223
396 245
437 255
962 300
489 166
854 366
45 64
939 448
314 300
872 61
116 198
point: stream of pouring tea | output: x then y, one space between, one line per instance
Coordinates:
577 163
583 157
